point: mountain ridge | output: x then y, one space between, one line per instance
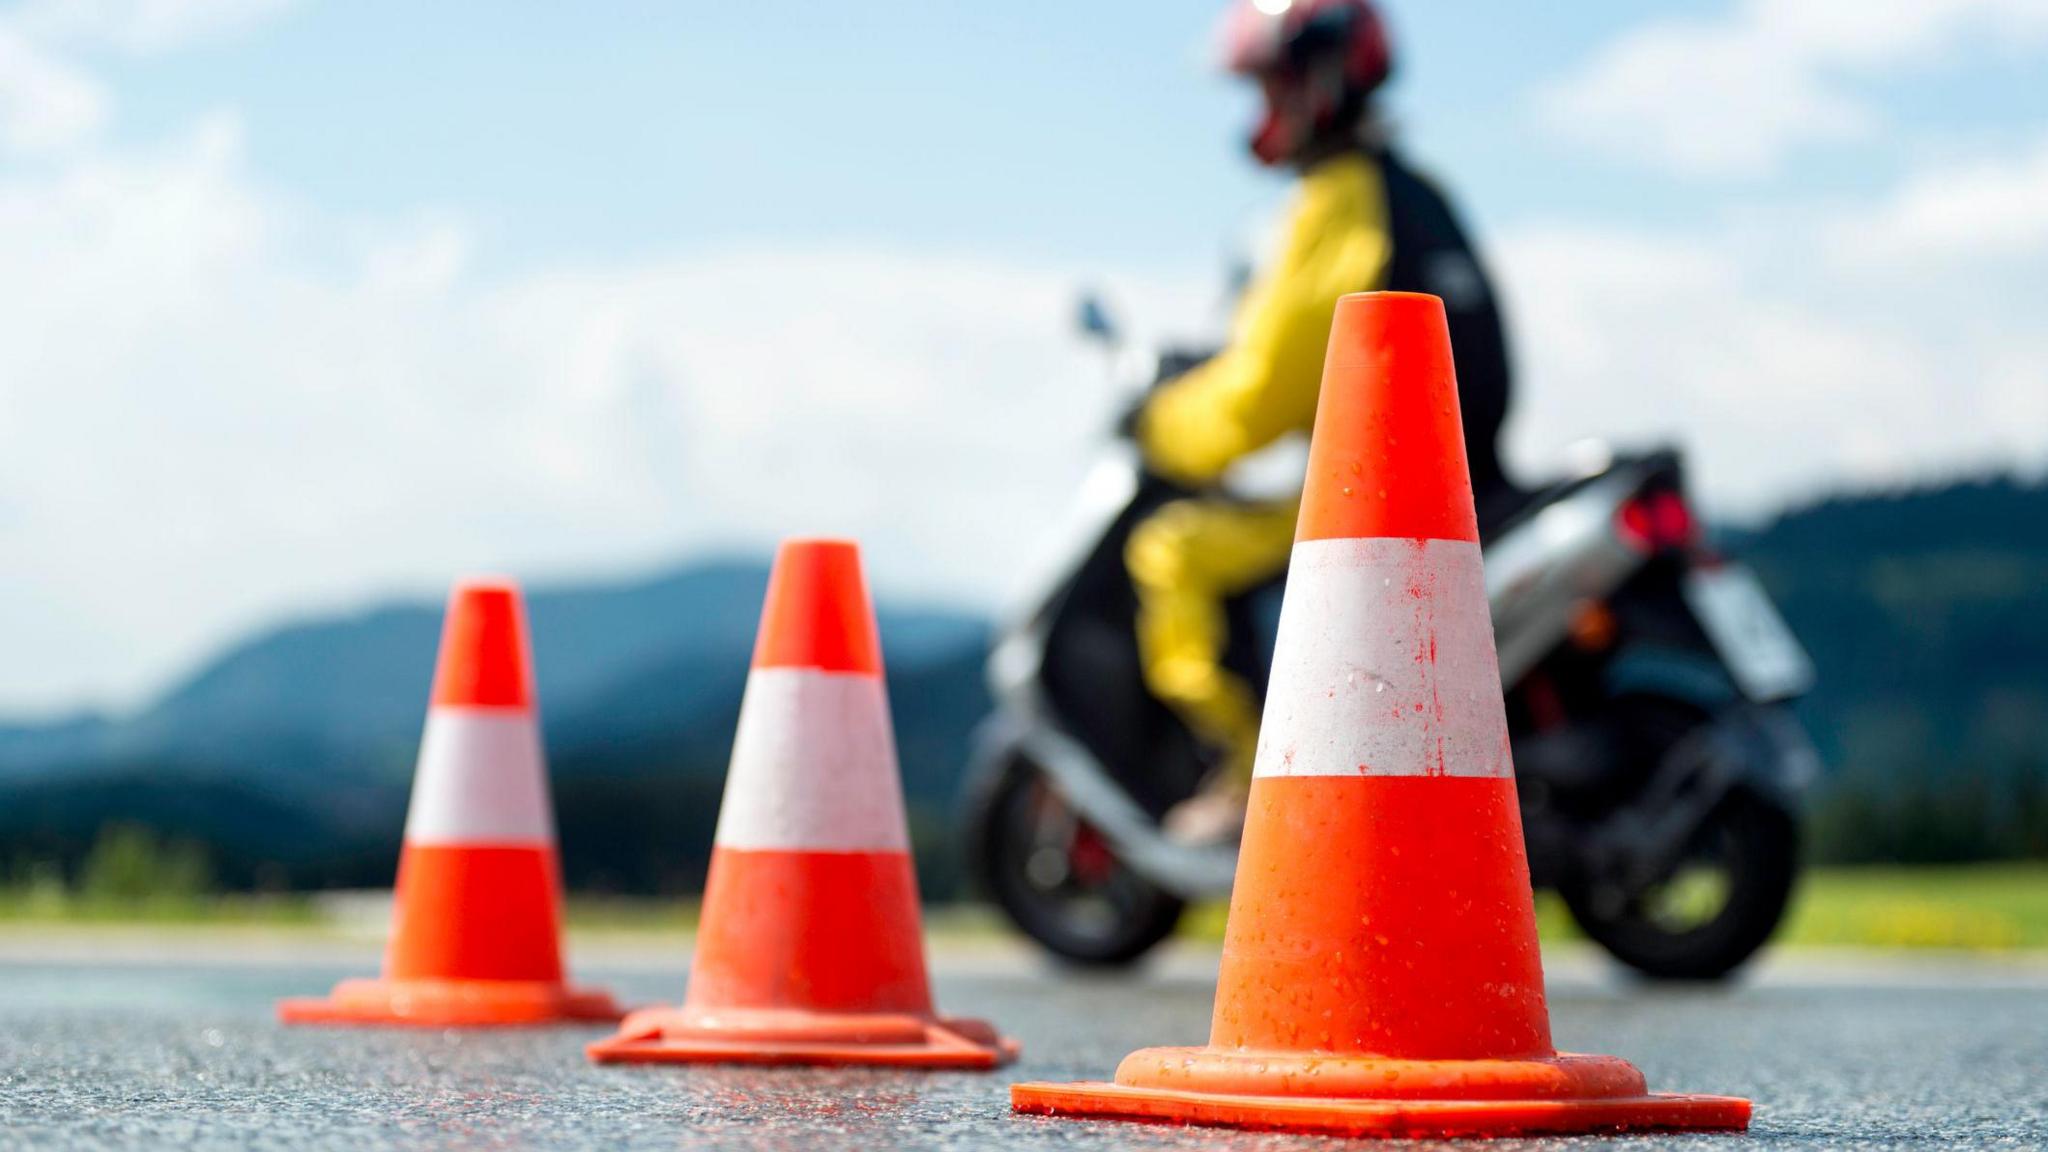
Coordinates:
313 725
289 754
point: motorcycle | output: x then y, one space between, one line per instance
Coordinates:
1646 680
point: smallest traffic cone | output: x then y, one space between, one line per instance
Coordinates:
476 937
810 949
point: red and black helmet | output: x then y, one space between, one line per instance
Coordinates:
1318 61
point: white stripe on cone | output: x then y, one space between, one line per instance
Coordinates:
813 766
1384 665
481 780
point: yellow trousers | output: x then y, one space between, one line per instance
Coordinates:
1187 560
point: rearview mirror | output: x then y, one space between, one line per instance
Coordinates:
1095 321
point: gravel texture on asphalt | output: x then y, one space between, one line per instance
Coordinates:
139 1055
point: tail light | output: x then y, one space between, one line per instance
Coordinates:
1593 627
1659 521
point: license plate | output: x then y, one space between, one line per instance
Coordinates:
1766 660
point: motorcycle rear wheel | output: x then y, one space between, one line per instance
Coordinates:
1720 906
1057 881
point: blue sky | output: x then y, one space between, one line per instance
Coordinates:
305 303
1091 131
1086 131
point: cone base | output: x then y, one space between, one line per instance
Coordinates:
452 1004
781 1036
1352 1116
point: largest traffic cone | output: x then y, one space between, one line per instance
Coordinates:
475 921
1380 969
810 948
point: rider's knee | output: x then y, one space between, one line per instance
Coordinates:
1160 548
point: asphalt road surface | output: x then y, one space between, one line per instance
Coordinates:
136 1051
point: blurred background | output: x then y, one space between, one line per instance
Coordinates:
308 308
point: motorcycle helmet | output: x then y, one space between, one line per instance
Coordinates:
1317 62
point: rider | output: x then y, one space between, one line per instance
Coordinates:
1362 220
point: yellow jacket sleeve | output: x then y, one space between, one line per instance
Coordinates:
1264 384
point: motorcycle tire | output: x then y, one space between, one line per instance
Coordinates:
1757 842
1005 816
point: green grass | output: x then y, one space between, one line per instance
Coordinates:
1204 922
1991 908
1982 908
629 914
1979 908
19 906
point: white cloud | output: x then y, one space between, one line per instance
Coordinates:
1780 369
217 405
143 27
1992 212
45 104
1733 95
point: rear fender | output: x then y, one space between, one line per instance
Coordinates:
1688 675
1777 757
1008 743
1743 747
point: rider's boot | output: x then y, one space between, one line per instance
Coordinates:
1212 817
1227 721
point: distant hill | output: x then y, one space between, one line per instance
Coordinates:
290 754
1926 611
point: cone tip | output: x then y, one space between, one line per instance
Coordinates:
484 585
1388 455
1368 326
484 661
817 613
1422 301
815 549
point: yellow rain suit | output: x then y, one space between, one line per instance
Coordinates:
1193 555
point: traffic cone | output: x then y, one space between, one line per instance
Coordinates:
475 923
810 948
1380 971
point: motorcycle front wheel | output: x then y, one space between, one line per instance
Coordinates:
1716 909
1057 878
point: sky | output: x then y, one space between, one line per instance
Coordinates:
304 305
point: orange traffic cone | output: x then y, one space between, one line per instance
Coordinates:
1380 969
475 927
810 948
